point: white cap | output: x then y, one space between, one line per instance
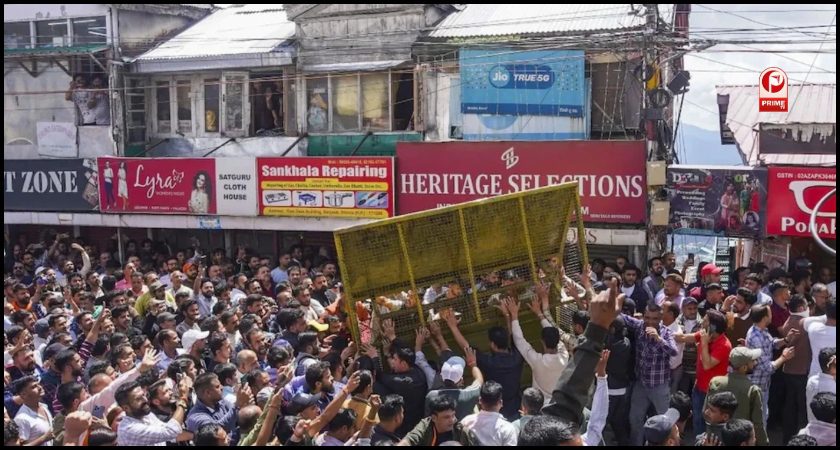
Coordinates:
453 369
191 337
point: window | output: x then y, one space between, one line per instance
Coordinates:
202 105
375 114
381 101
135 108
89 30
211 105
183 103
164 122
16 35
235 95
345 101
317 98
52 33
291 107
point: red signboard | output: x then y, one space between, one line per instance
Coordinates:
611 174
348 187
157 186
792 196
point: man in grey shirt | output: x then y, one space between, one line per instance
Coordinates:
452 372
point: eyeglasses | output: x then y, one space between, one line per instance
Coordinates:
799 188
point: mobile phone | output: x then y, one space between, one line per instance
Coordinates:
691 257
42 281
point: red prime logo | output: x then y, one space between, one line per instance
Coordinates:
773 90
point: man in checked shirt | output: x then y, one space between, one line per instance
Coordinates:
655 346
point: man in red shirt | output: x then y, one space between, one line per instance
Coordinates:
713 349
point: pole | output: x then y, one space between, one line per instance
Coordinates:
656 235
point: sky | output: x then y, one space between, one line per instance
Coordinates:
712 67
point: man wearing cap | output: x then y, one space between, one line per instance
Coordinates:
452 373
662 431
194 342
157 291
709 274
743 361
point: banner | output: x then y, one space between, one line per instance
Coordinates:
532 83
794 193
348 187
158 185
611 174
50 185
56 139
717 201
236 187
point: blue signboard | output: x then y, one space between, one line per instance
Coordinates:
519 83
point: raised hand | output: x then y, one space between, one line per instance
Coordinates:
604 308
469 357
388 329
150 360
601 367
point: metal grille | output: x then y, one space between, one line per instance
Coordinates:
477 251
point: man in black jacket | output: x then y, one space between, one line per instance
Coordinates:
405 379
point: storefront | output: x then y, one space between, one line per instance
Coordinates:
611 175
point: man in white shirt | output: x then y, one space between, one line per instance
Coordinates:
489 426
670 313
547 366
33 419
822 333
823 381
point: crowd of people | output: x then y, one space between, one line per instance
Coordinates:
170 347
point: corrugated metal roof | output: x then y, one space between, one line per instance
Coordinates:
236 30
815 103
515 19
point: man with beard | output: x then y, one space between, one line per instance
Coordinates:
631 288
157 291
739 318
319 288
19 274
312 310
279 275
655 280
672 291
754 284
239 289
743 361
713 299
72 396
170 267
21 300
210 409
69 366
204 291
68 267
140 426
295 276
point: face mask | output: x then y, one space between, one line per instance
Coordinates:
804 314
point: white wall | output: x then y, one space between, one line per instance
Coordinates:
28 100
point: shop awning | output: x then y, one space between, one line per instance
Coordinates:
370 66
28 58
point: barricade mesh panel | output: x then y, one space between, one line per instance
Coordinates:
470 254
